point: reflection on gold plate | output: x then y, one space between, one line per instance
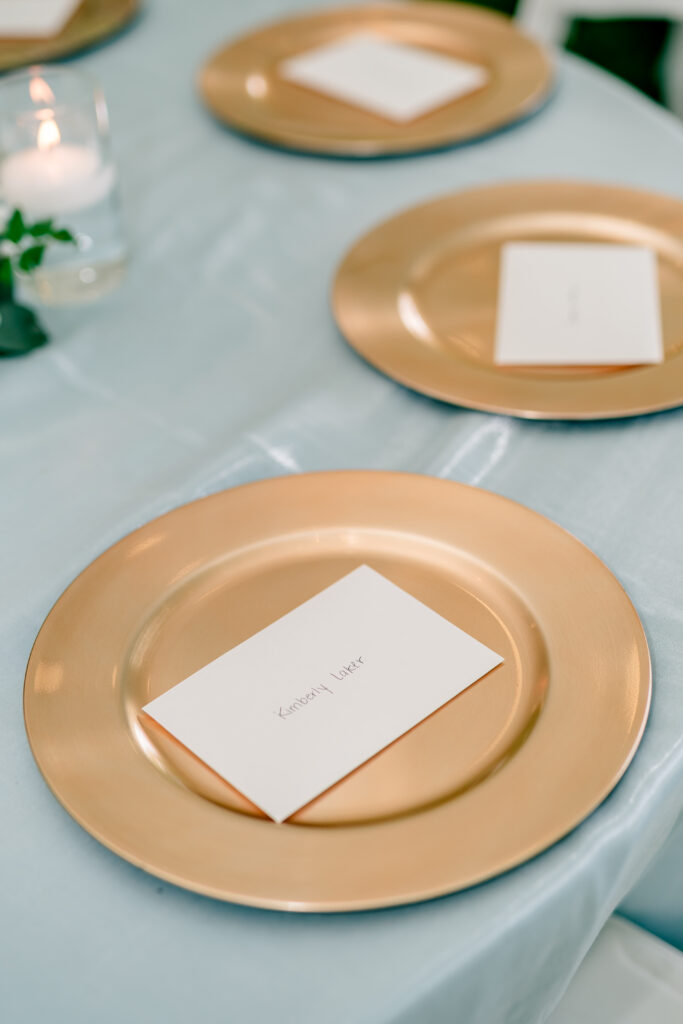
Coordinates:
490 779
242 86
417 297
92 22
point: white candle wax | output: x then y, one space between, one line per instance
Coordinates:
55 180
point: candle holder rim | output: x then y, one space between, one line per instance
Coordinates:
90 98
50 110
46 70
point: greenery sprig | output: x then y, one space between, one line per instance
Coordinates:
22 248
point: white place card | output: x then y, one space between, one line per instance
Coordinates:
299 705
574 303
31 19
396 81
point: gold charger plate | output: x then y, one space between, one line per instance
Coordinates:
489 780
92 22
242 87
417 297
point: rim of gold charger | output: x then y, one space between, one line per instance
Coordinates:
378 268
521 77
582 742
91 23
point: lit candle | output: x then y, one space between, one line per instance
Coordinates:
53 178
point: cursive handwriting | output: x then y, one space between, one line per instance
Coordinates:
319 690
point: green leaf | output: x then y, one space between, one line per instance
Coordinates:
41 227
6 281
31 258
16 229
20 330
62 235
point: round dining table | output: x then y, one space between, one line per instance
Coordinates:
218 362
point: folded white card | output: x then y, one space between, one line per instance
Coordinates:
35 18
300 704
393 80
575 303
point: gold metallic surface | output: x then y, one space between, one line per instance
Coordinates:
489 780
417 297
91 23
241 84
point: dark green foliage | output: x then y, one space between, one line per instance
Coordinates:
23 246
20 330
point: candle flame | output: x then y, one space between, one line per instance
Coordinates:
48 135
40 91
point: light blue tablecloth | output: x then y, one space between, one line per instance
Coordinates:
218 363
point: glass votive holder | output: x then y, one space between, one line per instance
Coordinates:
55 163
